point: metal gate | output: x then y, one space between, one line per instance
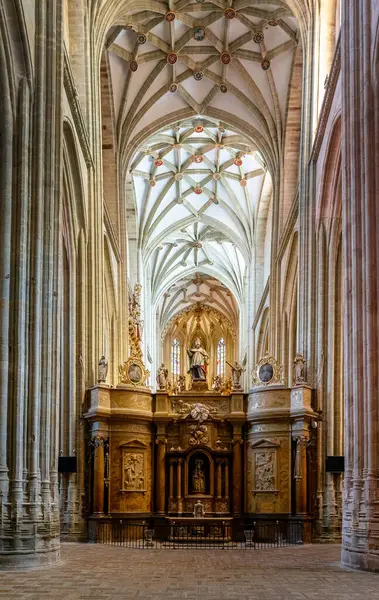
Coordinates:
199 534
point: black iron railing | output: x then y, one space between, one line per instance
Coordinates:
198 534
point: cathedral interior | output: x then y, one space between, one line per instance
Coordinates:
189 273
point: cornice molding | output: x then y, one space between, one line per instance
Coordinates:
76 110
334 73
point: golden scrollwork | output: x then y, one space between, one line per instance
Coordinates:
135 322
267 371
133 372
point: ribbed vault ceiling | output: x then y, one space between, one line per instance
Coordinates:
204 57
200 91
197 190
197 290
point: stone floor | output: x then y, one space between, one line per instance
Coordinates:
90 572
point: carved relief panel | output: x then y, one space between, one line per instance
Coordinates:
268 468
133 467
265 471
133 471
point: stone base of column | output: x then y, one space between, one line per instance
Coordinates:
46 554
362 560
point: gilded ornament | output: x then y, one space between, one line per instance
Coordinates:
173 88
152 182
158 162
198 190
273 23
170 16
172 58
199 34
199 129
267 371
133 372
238 162
265 64
230 13
198 75
141 38
258 37
243 183
223 88
197 158
133 66
225 58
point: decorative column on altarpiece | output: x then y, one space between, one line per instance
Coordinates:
300 475
179 485
98 476
237 469
160 477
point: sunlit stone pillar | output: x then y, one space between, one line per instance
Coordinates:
360 165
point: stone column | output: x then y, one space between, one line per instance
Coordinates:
219 478
237 469
360 214
160 476
171 479
98 476
300 476
30 180
226 491
179 484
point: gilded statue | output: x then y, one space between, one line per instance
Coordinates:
198 358
217 383
198 477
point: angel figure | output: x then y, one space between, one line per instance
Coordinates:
237 370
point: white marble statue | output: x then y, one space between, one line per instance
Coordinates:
162 377
299 368
102 370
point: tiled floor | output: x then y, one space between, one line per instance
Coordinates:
94 572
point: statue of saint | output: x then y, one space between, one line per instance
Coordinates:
198 477
198 362
299 368
102 370
162 377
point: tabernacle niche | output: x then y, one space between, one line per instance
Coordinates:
199 474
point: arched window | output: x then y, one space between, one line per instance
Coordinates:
220 364
175 358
